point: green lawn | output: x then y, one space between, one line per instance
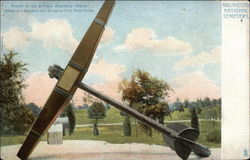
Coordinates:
176 115
112 116
114 134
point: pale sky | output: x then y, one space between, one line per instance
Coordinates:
179 42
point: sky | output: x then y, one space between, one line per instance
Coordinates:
178 42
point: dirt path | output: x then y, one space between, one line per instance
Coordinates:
100 150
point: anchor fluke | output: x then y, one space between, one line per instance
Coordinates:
184 143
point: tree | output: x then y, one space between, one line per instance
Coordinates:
16 118
214 102
194 119
178 105
219 102
126 124
96 111
213 113
34 108
186 103
147 95
199 105
69 112
207 102
199 110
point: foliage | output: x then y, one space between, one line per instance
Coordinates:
16 118
96 111
176 115
34 108
178 105
194 119
146 94
144 88
213 113
156 111
199 103
214 135
186 103
207 102
69 112
199 110
126 125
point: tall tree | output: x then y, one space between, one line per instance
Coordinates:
15 116
213 114
147 95
194 119
199 105
126 124
96 111
69 112
214 102
219 102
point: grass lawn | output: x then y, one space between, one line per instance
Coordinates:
114 134
112 116
176 115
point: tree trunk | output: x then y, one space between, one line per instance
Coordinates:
136 130
150 133
95 129
161 120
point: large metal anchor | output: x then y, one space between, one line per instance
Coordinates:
177 136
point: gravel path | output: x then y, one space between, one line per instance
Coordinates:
100 150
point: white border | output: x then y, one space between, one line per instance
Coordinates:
235 87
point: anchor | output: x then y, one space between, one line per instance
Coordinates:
177 136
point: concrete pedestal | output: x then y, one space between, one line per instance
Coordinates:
55 135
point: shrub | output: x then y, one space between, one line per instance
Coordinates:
214 135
